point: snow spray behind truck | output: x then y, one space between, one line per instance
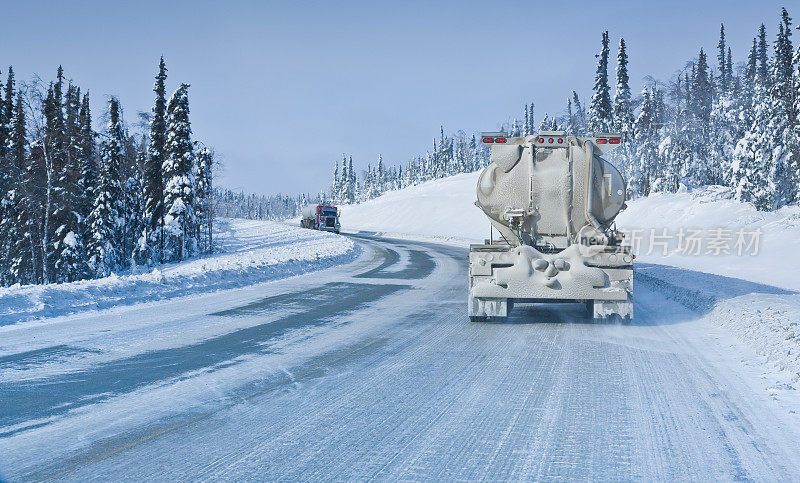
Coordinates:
320 217
553 199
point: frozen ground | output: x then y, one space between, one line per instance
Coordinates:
249 252
370 370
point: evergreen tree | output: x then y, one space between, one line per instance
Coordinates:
154 175
6 113
178 171
19 227
600 110
724 74
623 115
87 182
336 186
68 247
204 204
785 176
646 135
762 68
702 92
752 168
105 220
530 118
351 185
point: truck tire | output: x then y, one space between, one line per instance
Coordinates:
478 318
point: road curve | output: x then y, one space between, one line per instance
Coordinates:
372 371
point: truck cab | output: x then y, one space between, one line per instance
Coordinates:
328 218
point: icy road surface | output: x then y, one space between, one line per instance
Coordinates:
371 370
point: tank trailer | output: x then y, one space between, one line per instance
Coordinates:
553 200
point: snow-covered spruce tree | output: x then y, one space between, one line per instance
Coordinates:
153 182
623 116
204 203
783 117
19 225
646 135
526 127
341 192
105 219
5 122
753 165
725 76
724 129
69 256
380 177
336 185
600 110
87 179
352 187
179 223
6 179
699 171
674 149
132 210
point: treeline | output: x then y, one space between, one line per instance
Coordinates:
461 153
80 204
722 124
231 204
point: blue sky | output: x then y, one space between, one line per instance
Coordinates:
282 89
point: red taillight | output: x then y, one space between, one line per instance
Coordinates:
488 140
499 140
560 141
601 141
550 140
541 140
613 141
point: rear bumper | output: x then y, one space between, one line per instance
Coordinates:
524 274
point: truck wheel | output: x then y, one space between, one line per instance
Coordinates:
478 318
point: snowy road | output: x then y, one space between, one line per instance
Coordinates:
371 370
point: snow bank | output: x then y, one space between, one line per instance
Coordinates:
777 261
440 209
249 252
764 317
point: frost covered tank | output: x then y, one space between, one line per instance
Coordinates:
553 200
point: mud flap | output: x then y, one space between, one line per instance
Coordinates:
606 308
488 307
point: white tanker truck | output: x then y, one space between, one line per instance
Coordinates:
553 200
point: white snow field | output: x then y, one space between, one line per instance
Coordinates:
368 368
249 252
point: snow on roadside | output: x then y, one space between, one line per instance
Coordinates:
249 252
764 317
442 209
774 260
